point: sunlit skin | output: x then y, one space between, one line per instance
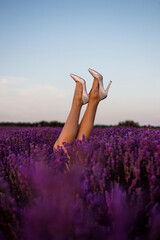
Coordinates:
70 130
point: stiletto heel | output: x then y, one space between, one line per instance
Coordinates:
85 96
102 92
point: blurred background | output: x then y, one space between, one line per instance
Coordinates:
42 42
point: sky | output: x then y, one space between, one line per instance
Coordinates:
43 41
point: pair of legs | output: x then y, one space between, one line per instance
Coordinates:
70 130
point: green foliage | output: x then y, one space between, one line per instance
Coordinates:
50 124
36 124
129 123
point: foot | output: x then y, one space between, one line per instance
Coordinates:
85 96
102 93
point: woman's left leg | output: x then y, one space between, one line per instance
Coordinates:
70 128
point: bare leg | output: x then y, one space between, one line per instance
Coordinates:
87 122
70 128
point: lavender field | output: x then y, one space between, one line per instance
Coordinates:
107 188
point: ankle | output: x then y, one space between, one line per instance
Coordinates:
94 101
77 101
94 94
78 94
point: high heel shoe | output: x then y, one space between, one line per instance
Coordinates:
85 96
102 92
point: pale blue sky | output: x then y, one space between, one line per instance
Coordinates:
41 42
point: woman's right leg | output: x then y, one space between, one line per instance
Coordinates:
70 128
97 93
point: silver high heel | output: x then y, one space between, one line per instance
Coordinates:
102 92
85 96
